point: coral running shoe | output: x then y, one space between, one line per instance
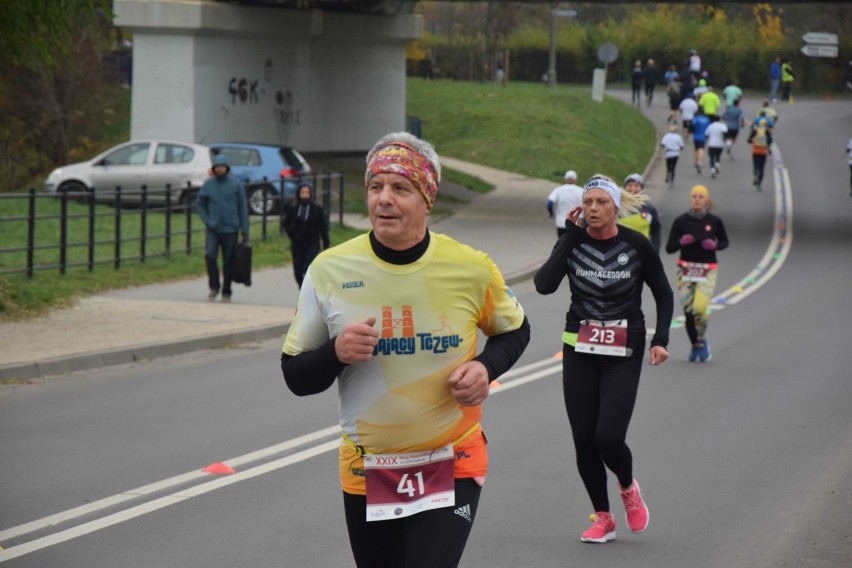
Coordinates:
602 529
635 508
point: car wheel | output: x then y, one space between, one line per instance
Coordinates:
256 202
77 190
75 187
188 198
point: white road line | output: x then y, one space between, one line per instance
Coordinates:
162 502
152 488
529 378
212 485
774 258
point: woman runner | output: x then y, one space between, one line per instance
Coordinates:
698 234
604 341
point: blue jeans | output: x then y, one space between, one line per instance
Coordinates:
213 242
773 88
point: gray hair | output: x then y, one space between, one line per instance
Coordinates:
422 147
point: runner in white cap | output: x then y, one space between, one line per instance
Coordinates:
564 198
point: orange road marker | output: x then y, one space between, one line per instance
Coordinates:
219 468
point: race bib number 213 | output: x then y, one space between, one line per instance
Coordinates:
602 338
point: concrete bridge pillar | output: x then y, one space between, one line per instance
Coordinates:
206 71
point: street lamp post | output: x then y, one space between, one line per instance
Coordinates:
551 60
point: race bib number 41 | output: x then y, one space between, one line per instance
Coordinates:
400 485
602 338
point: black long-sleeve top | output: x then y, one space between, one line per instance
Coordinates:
304 222
606 278
700 226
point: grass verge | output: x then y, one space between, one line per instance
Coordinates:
523 128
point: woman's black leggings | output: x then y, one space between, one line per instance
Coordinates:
303 256
600 392
431 539
671 164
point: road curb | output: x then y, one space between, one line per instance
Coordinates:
147 351
135 353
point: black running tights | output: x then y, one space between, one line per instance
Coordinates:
431 539
671 164
600 393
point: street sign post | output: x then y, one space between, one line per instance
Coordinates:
551 60
814 50
607 53
822 38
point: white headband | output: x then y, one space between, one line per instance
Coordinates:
607 186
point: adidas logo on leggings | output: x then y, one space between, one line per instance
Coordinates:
464 511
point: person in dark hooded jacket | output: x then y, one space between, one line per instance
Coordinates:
305 224
222 206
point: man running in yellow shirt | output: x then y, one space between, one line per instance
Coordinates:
710 102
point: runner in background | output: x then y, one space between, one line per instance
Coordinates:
697 234
761 141
715 134
673 91
672 144
646 220
562 199
769 113
699 127
606 266
688 107
734 120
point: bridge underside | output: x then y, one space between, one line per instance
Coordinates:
213 71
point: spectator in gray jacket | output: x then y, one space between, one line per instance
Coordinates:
222 206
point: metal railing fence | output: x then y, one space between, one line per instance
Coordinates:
59 231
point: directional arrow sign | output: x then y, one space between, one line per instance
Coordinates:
820 50
821 38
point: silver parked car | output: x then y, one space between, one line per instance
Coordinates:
152 163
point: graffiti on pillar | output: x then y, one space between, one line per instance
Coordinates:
285 116
243 89
251 91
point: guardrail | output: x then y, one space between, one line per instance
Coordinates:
58 231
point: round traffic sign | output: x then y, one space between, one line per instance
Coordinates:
607 52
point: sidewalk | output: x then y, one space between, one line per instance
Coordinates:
125 326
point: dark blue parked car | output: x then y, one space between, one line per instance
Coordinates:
253 162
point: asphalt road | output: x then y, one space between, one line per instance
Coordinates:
744 461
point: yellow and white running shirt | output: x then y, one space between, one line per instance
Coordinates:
427 314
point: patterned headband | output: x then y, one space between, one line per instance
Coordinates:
400 158
607 186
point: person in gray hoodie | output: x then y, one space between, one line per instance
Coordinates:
222 206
